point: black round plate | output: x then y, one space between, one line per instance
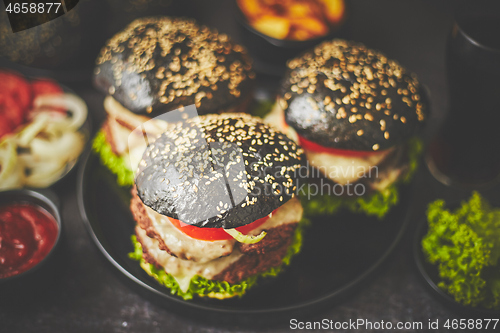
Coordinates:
430 276
339 253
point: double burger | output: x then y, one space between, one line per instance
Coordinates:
159 64
357 115
215 205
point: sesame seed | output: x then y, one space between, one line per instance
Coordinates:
376 84
146 46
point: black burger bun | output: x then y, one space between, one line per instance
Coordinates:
218 171
158 64
343 95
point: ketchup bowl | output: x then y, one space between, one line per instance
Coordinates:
30 229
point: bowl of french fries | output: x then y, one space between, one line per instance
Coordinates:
277 30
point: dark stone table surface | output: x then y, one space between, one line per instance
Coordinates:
88 296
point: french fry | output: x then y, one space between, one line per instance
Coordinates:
334 10
273 26
251 8
293 19
312 25
298 34
298 10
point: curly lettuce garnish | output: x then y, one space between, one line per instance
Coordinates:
201 286
465 244
415 149
117 165
377 204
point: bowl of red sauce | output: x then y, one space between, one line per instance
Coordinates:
30 229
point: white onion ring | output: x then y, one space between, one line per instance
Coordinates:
50 142
44 173
74 104
29 132
10 177
64 148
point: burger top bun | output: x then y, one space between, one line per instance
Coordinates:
158 64
217 171
344 95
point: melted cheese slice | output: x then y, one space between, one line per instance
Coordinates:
183 246
290 212
387 179
344 170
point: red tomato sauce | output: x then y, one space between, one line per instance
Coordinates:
27 234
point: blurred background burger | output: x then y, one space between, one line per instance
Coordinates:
357 115
159 64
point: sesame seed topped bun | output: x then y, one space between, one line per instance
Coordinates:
343 95
219 171
158 64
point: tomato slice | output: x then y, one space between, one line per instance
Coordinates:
16 98
45 87
5 128
17 87
312 146
214 234
10 111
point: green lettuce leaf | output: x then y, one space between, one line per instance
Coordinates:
221 289
415 149
465 244
262 108
377 204
117 165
